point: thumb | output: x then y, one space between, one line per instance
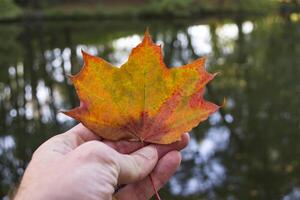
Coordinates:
138 165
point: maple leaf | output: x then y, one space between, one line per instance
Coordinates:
143 99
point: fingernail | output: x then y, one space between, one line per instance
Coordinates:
149 152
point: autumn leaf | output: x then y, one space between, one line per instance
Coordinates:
143 99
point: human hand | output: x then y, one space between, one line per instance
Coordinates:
80 165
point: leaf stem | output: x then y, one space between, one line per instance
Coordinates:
154 188
151 179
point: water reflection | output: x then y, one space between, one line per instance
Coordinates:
207 172
248 150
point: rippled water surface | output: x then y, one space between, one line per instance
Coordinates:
248 150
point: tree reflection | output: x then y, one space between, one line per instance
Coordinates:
247 150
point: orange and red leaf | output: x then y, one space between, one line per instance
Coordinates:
143 99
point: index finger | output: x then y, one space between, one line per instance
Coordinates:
81 134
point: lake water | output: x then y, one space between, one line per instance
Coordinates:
248 150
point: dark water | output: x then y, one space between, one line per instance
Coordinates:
248 150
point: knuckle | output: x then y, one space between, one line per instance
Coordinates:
92 149
93 146
99 152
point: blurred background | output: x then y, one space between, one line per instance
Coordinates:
248 150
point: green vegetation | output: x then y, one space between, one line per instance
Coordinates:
8 9
79 9
192 7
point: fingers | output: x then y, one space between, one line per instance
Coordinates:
127 147
179 145
143 190
138 165
64 143
127 168
124 147
72 138
81 134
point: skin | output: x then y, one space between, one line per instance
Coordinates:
80 165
